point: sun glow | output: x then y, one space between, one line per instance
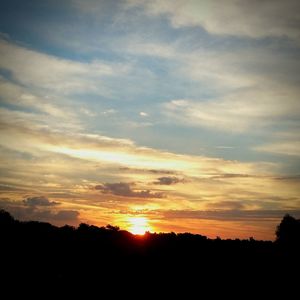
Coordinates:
126 157
138 225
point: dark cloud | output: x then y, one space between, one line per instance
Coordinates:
167 180
232 175
63 195
39 201
66 215
61 215
288 178
234 205
124 189
167 172
44 213
152 171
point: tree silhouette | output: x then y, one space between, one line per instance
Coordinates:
5 218
37 252
288 231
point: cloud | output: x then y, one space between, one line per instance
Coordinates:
88 112
230 214
154 49
167 180
253 19
73 148
292 178
33 132
224 147
229 176
290 148
10 188
124 189
215 68
219 70
283 142
38 209
153 171
237 112
226 204
14 94
65 215
56 75
39 201
59 217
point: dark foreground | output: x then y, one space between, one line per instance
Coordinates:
40 255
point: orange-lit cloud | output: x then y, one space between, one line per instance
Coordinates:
133 179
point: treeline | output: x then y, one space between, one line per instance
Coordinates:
42 253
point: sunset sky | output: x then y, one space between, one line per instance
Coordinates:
157 115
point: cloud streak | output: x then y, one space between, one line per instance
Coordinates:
125 190
258 19
39 201
239 112
290 148
230 215
109 150
61 76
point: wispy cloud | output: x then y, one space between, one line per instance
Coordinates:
23 98
291 148
231 215
110 150
242 111
61 76
259 19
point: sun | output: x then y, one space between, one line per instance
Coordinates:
138 225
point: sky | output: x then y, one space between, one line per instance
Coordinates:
156 116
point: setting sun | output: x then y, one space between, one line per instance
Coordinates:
138 225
